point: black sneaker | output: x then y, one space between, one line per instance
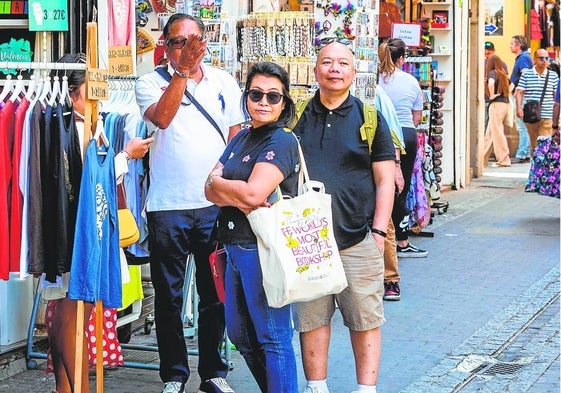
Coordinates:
410 251
391 291
215 385
174 387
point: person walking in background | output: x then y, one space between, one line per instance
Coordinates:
255 162
488 52
497 89
406 95
361 184
522 63
530 87
391 267
180 219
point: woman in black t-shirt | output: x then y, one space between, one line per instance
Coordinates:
256 161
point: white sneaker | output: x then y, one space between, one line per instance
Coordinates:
173 387
314 389
215 385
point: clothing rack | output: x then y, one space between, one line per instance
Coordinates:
22 65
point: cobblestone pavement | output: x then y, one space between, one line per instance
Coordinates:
480 314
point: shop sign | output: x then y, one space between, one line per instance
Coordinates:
48 15
410 33
494 17
16 50
97 85
120 60
14 9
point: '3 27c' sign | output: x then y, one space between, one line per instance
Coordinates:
48 15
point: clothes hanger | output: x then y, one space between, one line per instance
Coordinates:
46 90
100 133
18 89
65 99
7 87
55 93
31 87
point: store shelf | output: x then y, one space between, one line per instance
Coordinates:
436 3
432 29
436 54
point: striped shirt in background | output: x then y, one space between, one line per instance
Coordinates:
532 84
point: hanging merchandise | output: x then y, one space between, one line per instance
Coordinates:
283 37
353 23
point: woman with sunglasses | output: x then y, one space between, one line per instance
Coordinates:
256 161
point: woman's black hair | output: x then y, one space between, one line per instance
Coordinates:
267 68
76 78
179 17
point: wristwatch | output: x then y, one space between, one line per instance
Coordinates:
182 74
127 155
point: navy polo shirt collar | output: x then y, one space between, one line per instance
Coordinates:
343 109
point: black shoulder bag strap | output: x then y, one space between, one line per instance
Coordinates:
544 85
165 74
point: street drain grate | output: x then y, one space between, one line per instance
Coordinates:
503 368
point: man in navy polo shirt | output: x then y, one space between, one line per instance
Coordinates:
361 184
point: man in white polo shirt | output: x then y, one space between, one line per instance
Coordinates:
187 144
530 88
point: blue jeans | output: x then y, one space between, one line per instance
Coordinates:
523 138
262 334
173 235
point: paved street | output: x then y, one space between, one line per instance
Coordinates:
480 314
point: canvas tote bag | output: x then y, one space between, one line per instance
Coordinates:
297 250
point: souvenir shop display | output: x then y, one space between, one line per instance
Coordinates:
428 168
354 23
234 42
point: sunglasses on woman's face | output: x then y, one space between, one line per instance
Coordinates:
273 97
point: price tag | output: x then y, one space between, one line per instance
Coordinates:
48 15
120 60
97 86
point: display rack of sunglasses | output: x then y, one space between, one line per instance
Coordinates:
420 66
435 140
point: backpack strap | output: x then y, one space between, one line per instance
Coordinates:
368 128
301 106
